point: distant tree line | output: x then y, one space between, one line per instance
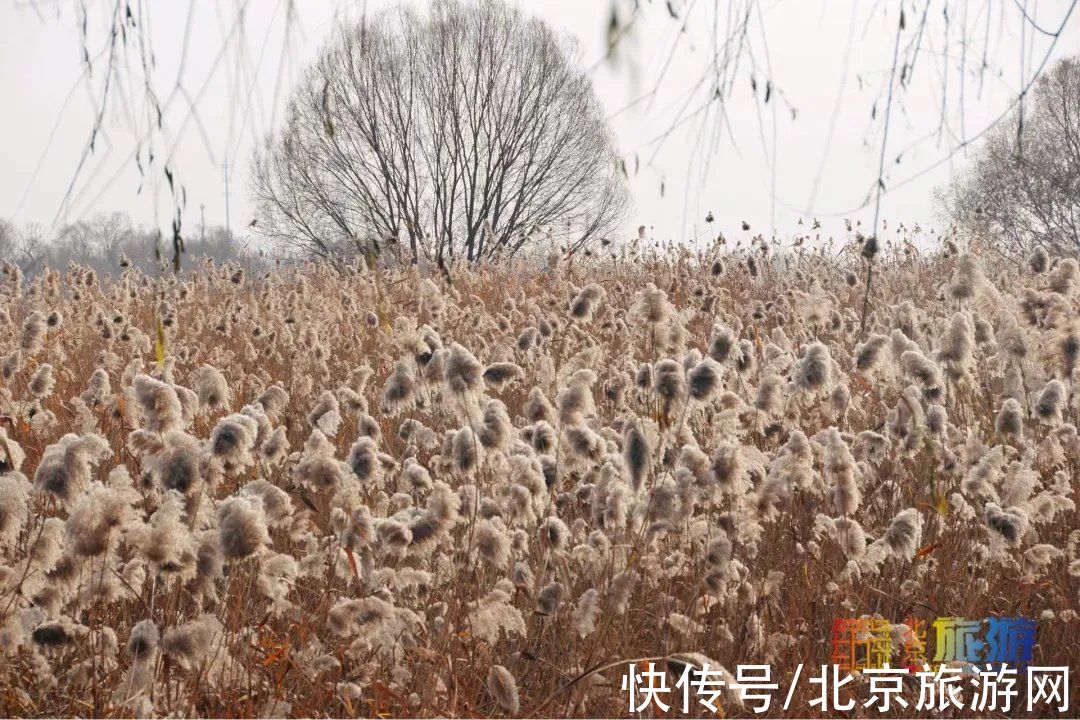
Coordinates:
110 242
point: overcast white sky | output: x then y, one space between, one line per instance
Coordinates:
827 59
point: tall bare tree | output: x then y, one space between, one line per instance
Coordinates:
461 134
1023 186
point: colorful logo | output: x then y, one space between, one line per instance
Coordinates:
873 642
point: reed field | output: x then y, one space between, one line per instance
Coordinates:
377 491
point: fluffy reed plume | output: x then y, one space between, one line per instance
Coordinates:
586 613
14 506
721 343
191 643
792 468
166 542
212 389
1068 348
1062 278
528 339
316 466
956 346
904 534
718 551
97 514
743 357
242 527
492 543
98 390
814 370
32 336
1010 419
500 374
841 472
364 504
937 420
503 689
967 278
160 404
1010 523
276 503
924 371
462 373
652 306
703 380
537 407
868 355
65 468
668 380
493 615
849 535
274 448
549 599
364 461
42 382
465 451
770 395
274 401
575 404
1038 558
143 641
638 455
400 391
584 303
233 439
496 428
1050 403
554 535
325 415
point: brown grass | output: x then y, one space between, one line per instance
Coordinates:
307 328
